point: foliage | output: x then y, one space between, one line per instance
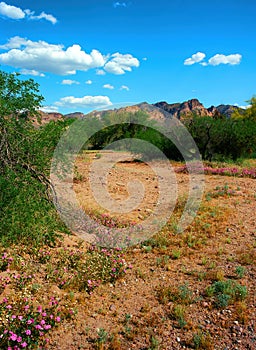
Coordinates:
223 139
26 211
249 113
226 292
216 138
24 325
126 126
18 98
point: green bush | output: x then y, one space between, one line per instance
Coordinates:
226 292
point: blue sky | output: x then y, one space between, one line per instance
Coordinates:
86 53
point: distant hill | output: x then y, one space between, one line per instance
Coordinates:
47 117
74 115
163 110
193 106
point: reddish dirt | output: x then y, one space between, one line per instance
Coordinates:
132 311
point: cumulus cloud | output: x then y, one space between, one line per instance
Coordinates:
216 60
197 57
225 59
47 109
85 101
124 87
88 82
119 4
44 57
69 82
32 72
119 64
108 86
14 43
55 58
14 12
45 16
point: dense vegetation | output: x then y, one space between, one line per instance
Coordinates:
216 138
26 209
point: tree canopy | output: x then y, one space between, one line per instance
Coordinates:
26 210
18 98
249 113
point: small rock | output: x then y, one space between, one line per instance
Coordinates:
112 307
178 339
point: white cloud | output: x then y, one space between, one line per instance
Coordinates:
108 86
69 82
213 61
47 109
197 57
32 72
119 64
44 57
124 87
243 107
85 101
100 72
225 59
45 16
88 82
144 59
14 43
12 12
54 58
119 4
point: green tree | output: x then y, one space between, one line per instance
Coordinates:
18 98
19 101
26 211
249 113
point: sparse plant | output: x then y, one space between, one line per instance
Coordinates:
101 339
181 294
226 292
154 343
176 253
240 271
98 155
202 341
178 314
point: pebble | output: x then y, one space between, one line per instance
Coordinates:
178 339
112 307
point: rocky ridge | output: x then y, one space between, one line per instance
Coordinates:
163 110
194 106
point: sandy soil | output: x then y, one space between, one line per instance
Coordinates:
132 311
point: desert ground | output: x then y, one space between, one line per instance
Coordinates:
163 301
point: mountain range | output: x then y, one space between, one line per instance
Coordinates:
164 109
